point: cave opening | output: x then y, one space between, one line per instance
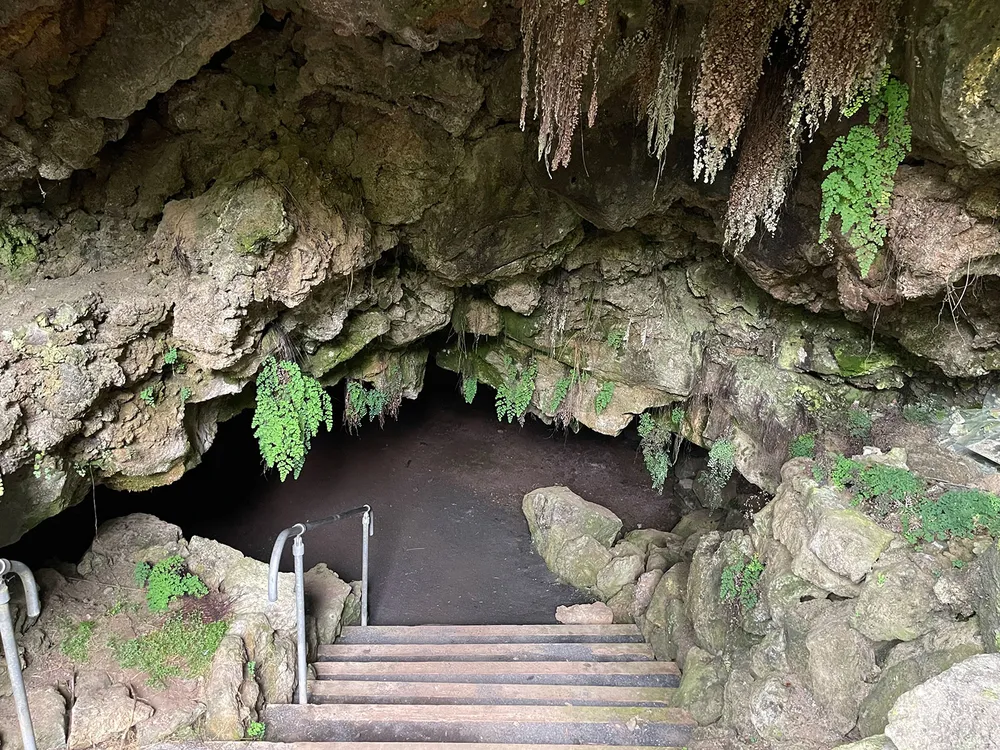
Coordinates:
445 481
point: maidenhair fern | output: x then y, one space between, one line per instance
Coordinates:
291 406
515 392
862 165
721 463
603 398
655 439
469 387
561 390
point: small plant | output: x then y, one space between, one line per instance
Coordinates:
76 646
957 513
654 440
958 564
616 339
603 398
515 392
880 580
256 730
470 385
141 573
803 446
740 584
40 468
859 423
880 489
148 395
291 406
185 394
252 669
182 647
561 390
919 413
375 402
862 165
721 463
167 581
172 357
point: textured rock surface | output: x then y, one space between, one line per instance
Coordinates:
557 515
597 613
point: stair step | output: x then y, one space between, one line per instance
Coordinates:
491 634
456 693
487 652
620 674
244 745
559 725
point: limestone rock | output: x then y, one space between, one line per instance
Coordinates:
986 596
957 708
48 717
783 711
580 560
647 539
644 588
225 712
521 294
623 603
618 573
848 542
880 742
702 686
123 542
326 595
597 613
101 715
704 607
556 515
696 522
897 603
666 624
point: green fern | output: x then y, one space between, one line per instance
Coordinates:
373 403
721 463
515 392
603 398
470 385
168 580
861 167
561 390
291 406
655 439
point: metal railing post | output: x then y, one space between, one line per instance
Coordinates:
10 644
298 551
367 530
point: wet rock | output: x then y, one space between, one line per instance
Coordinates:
556 515
597 613
958 708
579 562
702 686
103 714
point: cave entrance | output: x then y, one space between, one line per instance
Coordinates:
445 482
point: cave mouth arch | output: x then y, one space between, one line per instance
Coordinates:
445 481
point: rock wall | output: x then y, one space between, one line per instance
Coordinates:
186 190
813 627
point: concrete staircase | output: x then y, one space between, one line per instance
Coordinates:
483 688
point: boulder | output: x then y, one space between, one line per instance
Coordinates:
622 604
785 713
644 588
897 603
226 714
48 717
646 539
697 522
597 613
848 542
326 595
955 709
580 560
104 714
704 607
986 596
125 541
556 515
620 572
702 686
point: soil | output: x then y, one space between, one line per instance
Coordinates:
445 482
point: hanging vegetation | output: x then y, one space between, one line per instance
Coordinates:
736 40
862 167
561 42
659 76
768 157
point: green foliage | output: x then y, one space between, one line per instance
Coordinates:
958 513
740 583
655 440
183 647
256 730
76 645
803 446
170 356
252 668
168 580
561 390
148 395
603 398
616 339
291 406
141 573
185 394
861 168
721 463
18 247
921 413
469 387
859 423
40 468
882 489
515 392
360 401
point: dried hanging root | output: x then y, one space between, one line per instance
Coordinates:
736 41
846 45
768 158
561 42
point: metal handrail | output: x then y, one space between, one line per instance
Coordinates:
298 552
10 644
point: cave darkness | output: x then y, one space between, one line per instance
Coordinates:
445 481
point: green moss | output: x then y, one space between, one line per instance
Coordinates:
181 648
76 645
18 247
856 364
519 327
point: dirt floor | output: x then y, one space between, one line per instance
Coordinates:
445 482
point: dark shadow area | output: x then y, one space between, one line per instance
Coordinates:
445 481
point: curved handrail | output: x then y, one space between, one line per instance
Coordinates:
7 637
298 552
